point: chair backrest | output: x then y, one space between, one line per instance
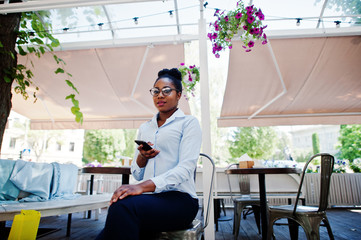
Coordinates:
210 189
327 162
243 183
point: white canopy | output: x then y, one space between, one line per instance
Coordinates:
314 80
113 83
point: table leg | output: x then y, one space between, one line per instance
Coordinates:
263 203
91 192
125 178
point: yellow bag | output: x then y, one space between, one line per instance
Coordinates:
25 225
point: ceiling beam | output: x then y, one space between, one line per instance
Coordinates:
38 5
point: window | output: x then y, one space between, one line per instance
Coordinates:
58 146
12 143
71 146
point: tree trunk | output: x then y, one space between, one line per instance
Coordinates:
9 26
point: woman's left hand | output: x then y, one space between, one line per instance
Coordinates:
127 190
124 191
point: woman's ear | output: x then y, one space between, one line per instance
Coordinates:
179 95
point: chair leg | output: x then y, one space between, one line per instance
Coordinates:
256 212
238 208
270 234
293 228
328 226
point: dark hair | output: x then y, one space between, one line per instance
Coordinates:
174 75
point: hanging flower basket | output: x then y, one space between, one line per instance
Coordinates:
190 77
243 22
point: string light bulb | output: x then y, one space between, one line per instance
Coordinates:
136 20
65 30
298 23
205 4
31 35
171 13
100 25
338 23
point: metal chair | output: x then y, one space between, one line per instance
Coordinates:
240 203
196 230
308 217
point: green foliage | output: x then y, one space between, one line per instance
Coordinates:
350 142
257 142
35 37
315 143
348 7
107 146
355 165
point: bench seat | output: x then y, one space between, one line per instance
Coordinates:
56 207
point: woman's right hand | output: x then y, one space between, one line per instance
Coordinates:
143 155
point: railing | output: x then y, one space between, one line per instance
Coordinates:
345 189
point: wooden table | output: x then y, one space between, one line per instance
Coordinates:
124 171
262 187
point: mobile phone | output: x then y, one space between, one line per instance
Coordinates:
146 146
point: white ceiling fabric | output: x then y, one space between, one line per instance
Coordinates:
113 83
322 77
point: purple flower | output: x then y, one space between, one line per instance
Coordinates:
248 50
250 44
182 64
209 35
217 55
249 10
264 36
256 31
250 19
230 46
192 66
238 15
245 27
216 27
260 15
226 18
252 31
215 35
216 12
264 42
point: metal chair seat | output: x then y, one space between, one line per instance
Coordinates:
193 232
196 230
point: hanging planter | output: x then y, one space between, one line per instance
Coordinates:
243 22
190 77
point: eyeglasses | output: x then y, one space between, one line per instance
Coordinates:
166 91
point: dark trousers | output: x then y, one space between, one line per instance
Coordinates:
143 216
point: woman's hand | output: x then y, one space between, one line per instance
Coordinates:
143 155
127 190
148 154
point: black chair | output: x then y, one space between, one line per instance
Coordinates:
308 217
243 201
196 230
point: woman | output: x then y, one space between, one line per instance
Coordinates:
165 200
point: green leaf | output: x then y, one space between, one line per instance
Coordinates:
70 84
59 70
71 96
74 110
1 45
21 51
42 50
7 79
79 117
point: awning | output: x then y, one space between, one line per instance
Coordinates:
307 81
113 83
